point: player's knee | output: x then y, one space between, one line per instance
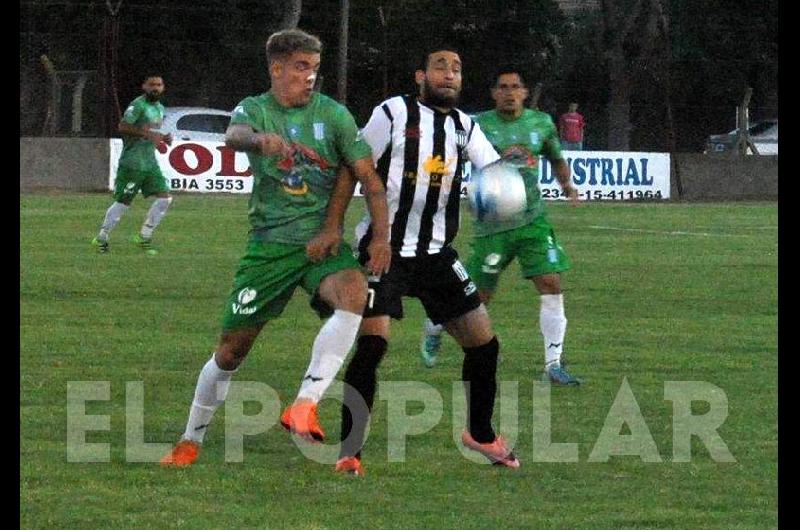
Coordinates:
549 284
352 291
232 350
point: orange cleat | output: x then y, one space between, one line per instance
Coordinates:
301 418
183 454
351 465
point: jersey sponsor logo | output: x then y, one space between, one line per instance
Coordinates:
302 162
411 132
521 154
438 168
293 184
244 297
319 131
534 137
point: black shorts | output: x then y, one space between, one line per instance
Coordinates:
440 282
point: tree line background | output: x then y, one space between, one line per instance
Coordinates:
648 74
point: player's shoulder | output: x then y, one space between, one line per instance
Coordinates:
328 107
320 99
485 116
537 115
257 100
463 117
250 106
393 106
138 101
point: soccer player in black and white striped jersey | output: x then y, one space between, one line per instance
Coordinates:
420 144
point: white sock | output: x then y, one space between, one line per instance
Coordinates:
433 329
553 324
330 349
205 402
157 212
113 215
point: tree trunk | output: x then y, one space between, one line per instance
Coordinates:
341 75
292 16
619 102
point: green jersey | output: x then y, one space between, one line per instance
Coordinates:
528 136
138 154
291 194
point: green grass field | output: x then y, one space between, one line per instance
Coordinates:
686 292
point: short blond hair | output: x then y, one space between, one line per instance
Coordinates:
284 43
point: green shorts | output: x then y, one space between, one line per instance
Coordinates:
534 245
130 181
267 277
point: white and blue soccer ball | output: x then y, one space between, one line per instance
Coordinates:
497 192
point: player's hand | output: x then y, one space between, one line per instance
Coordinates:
324 244
270 144
572 194
167 138
380 257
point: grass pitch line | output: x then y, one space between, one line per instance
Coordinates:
668 232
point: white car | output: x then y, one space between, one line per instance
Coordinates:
196 123
764 135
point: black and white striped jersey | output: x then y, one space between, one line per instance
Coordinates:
420 154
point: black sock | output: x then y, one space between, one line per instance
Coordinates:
479 372
362 378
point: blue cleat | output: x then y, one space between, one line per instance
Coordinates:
557 374
431 344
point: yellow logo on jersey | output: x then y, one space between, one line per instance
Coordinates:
301 190
435 165
437 169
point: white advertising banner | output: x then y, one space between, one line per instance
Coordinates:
607 176
203 167
210 167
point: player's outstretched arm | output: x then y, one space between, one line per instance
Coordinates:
380 252
144 132
240 137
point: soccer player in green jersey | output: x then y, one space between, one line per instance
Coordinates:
521 134
138 169
304 150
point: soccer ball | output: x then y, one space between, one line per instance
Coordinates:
497 192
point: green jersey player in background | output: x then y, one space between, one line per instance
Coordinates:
521 134
304 150
138 169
